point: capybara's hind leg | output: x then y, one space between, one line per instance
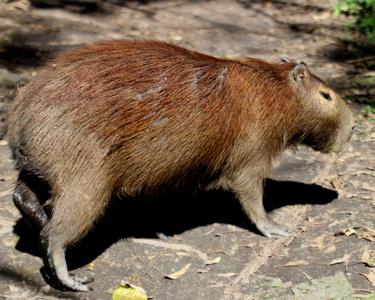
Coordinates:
29 205
73 214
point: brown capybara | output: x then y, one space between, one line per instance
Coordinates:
127 118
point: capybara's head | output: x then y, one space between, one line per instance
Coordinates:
329 121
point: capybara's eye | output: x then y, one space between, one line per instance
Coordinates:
326 95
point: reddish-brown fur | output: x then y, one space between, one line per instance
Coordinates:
144 117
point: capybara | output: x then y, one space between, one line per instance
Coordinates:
143 117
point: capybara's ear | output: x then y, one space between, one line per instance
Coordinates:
301 72
284 60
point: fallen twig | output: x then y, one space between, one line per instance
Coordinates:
186 248
355 60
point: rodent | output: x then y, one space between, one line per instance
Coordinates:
131 117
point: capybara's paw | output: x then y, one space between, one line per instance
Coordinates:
269 227
72 283
76 283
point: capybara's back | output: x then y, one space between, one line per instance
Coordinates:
144 117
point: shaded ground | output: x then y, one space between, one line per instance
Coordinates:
328 200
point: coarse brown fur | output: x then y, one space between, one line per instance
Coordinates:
143 117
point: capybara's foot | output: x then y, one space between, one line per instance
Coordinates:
269 227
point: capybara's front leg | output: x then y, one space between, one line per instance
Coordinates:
249 192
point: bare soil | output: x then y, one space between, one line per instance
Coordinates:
329 200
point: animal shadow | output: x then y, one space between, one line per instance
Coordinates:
173 214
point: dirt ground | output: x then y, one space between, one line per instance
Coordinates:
329 200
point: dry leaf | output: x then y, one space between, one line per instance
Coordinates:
251 245
129 292
367 186
182 247
352 195
369 258
218 251
227 275
368 235
202 271
178 274
347 212
347 232
362 296
296 263
370 276
340 260
91 266
213 261
182 254
365 256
